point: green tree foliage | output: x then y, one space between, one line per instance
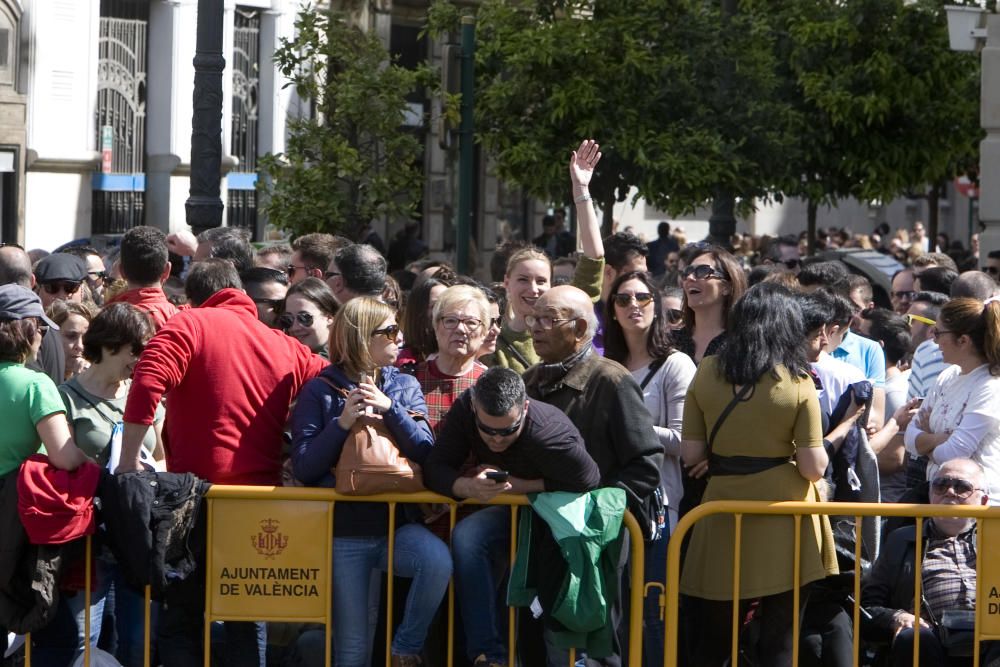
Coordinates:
648 79
883 106
352 161
754 99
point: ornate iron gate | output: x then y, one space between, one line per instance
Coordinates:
242 201
120 121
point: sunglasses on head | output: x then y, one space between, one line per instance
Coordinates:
642 299
962 488
66 286
286 320
390 332
702 272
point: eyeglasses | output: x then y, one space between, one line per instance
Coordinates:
703 272
935 332
66 286
546 322
97 275
291 269
792 264
904 295
286 320
674 315
910 319
390 332
641 299
962 488
471 323
501 432
992 270
330 274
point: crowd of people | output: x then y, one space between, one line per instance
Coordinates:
672 373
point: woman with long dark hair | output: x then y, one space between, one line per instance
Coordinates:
712 281
760 401
637 334
309 312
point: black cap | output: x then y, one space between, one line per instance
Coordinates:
61 266
19 303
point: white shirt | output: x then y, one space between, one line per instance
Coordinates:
968 408
835 376
664 398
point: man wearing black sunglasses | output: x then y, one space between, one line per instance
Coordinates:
784 251
948 564
519 446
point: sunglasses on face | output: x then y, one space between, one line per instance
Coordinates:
905 295
910 319
702 272
641 299
962 488
496 322
390 332
992 270
674 315
500 432
43 328
67 287
286 321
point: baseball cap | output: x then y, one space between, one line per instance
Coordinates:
61 266
18 303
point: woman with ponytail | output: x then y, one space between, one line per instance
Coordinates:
960 417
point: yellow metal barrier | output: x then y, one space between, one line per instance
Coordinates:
231 509
987 569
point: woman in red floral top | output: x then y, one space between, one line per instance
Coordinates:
461 318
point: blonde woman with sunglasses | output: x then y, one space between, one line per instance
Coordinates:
364 344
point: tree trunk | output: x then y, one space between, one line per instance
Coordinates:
933 199
811 225
608 217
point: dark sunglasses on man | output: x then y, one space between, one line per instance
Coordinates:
962 488
67 287
992 270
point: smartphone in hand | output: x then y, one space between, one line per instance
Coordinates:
498 476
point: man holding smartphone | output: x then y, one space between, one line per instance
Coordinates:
516 446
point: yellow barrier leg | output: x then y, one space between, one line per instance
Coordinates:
796 567
856 636
88 562
388 590
918 595
147 626
735 640
511 620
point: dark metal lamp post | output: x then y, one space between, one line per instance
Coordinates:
204 205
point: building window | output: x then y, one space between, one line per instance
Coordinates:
241 205
120 119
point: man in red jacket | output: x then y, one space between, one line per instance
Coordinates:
230 379
145 264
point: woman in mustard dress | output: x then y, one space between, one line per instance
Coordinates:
769 447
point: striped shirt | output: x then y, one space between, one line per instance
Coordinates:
924 370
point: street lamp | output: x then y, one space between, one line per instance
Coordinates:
971 27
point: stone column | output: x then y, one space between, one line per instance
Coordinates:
989 148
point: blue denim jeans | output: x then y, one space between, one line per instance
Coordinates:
418 554
479 542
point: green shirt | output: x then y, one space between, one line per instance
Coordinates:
92 418
26 397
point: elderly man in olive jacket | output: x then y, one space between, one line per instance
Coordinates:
598 395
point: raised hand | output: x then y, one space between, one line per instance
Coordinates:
582 164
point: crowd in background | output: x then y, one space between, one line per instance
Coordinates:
683 371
